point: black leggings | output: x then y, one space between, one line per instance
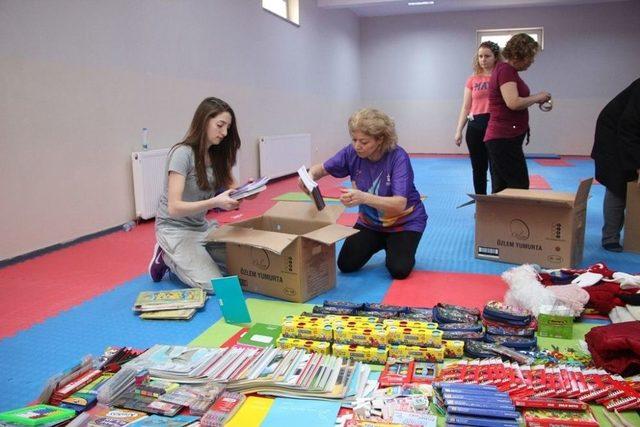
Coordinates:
508 165
400 246
476 129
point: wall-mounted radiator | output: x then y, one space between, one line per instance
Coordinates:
284 154
148 180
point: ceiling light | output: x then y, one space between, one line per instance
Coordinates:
420 3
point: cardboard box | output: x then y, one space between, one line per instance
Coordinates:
287 253
632 218
532 226
553 326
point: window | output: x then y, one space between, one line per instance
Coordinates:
286 9
502 36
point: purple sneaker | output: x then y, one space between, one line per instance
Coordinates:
157 267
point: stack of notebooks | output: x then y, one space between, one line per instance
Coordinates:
179 304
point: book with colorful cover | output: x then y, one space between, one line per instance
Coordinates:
249 189
179 314
170 300
37 415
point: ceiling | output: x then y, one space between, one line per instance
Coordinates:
401 7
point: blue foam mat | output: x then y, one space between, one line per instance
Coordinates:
30 357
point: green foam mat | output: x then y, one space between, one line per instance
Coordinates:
261 311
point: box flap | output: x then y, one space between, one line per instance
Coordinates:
308 211
583 191
331 233
511 195
269 240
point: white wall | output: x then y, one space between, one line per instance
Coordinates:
80 78
415 66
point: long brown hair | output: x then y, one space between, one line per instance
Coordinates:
223 155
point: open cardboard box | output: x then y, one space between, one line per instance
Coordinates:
532 226
632 218
288 252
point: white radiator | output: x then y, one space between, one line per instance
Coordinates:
284 154
148 180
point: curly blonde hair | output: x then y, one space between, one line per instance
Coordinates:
520 47
375 124
493 47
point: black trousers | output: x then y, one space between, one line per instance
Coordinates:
508 165
478 154
400 247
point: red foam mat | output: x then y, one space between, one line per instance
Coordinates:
38 288
552 162
427 288
537 182
348 218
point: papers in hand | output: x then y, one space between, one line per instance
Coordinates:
249 188
312 188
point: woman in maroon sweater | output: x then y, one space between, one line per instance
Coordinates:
509 99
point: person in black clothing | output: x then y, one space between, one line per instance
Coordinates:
616 153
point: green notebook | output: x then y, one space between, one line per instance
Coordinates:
37 415
261 335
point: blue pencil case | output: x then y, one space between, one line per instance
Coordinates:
510 330
342 304
515 342
462 335
452 314
319 309
374 306
461 327
500 312
478 350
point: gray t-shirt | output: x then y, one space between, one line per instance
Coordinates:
182 161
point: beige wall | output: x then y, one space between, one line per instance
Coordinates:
415 67
80 79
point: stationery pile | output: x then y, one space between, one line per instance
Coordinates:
178 304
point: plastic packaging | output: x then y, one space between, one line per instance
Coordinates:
145 139
128 226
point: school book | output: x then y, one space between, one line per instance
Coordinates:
37 415
249 189
170 300
312 187
180 314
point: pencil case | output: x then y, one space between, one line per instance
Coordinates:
451 314
478 350
515 342
342 304
461 327
462 335
374 306
498 311
332 310
510 330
